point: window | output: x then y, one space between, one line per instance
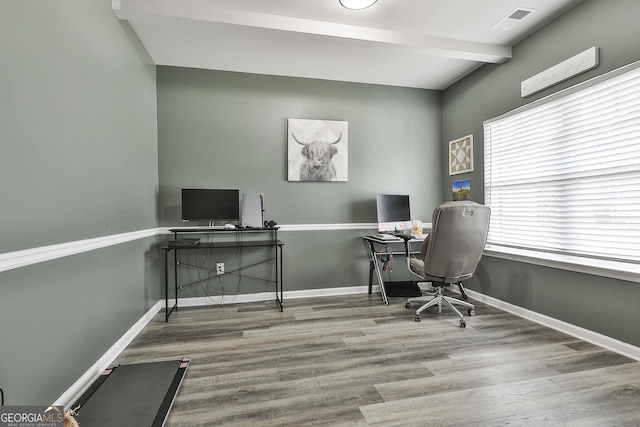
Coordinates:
562 175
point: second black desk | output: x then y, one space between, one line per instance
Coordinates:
240 244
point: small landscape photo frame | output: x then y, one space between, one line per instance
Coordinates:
461 190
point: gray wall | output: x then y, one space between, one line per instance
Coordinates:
599 304
78 131
85 154
229 130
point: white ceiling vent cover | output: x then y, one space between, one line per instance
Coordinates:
513 19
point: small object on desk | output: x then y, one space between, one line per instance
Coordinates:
416 227
229 226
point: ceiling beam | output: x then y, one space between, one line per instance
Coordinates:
163 10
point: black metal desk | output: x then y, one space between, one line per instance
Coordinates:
379 248
240 244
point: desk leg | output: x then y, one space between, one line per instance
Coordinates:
168 312
374 266
166 285
279 278
372 254
371 268
383 291
175 279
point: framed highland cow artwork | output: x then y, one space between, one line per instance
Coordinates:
317 150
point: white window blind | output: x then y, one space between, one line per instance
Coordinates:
563 176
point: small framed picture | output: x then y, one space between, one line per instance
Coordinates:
461 190
461 155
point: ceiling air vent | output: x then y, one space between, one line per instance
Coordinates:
513 19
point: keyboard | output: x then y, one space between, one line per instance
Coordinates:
385 236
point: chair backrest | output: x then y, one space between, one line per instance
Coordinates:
457 239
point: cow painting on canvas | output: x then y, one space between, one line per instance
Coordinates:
317 150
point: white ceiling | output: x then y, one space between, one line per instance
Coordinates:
426 44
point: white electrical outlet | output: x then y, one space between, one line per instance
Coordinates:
220 268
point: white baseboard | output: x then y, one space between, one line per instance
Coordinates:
270 296
74 392
81 385
225 299
330 292
567 328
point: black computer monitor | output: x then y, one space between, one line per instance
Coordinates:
205 204
394 213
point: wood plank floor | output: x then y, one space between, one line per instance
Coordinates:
351 361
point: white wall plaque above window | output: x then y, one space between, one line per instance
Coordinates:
584 61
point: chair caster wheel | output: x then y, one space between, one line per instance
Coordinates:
471 312
463 324
417 319
407 305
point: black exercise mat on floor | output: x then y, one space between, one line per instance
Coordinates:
136 395
402 289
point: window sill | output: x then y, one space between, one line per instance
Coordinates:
611 269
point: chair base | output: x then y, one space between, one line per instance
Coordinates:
439 300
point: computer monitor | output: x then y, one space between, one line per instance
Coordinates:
206 204
394 214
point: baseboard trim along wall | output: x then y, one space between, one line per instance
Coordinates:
80 386
266 296
567 328
74 392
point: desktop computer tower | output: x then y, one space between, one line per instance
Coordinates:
252 210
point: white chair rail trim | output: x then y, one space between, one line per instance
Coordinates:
23 258
26 257
328 227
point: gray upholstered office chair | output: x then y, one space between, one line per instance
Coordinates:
450 254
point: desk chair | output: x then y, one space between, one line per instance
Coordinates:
450 254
